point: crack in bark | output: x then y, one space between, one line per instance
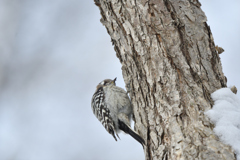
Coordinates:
165 156
215 60
118 21
118 53
149 144
207 95
200 59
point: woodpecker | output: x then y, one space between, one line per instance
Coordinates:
112 107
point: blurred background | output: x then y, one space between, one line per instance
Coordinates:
53 53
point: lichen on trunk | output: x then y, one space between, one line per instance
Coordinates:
170 65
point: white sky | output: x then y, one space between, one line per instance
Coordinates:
53 54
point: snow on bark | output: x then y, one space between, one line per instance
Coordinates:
225 114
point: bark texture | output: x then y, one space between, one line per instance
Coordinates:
170 66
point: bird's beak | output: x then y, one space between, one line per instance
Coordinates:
114 81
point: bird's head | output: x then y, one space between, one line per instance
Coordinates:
107 82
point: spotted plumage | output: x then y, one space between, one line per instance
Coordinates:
112 107
102 112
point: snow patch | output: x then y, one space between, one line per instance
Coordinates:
225 114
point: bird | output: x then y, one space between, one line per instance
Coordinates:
112 107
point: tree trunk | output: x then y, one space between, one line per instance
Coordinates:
170 65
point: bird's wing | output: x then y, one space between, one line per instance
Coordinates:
103 113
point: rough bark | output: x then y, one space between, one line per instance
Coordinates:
170 65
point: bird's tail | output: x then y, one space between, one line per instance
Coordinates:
128 130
